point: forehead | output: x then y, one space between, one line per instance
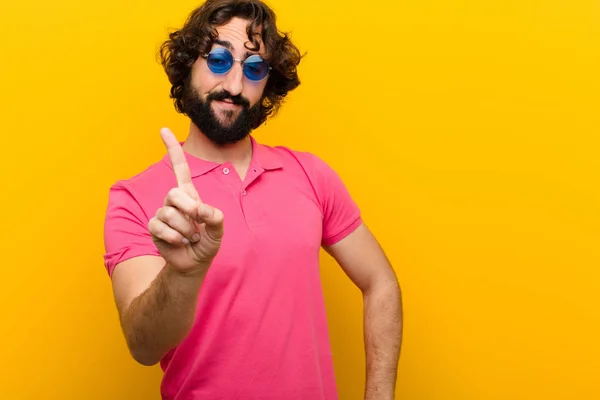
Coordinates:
234 35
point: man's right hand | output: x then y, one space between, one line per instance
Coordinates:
186 231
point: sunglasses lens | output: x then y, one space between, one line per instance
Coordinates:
255 68
220 61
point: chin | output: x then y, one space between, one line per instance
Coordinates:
225 116
226 122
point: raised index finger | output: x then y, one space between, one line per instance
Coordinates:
179 163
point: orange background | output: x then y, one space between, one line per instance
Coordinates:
466 130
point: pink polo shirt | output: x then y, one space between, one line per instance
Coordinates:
260 330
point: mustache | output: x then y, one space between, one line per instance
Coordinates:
224 95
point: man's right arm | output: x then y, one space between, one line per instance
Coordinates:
156 304
157 295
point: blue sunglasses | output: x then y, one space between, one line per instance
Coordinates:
220 61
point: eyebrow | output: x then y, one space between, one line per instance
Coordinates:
227 44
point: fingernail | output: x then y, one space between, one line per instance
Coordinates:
195 237
185 241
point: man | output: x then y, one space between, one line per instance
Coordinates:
213 251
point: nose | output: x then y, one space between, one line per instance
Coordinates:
234 80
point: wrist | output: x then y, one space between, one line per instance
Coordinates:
196 272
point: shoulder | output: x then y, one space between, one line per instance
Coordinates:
341 214
144 189
147 181
311 163
325 181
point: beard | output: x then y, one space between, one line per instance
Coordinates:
231 129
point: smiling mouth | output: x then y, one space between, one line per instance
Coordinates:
227 104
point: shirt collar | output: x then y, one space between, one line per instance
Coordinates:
263 156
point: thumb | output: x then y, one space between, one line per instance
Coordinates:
213 218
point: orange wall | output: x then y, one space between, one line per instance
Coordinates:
466 130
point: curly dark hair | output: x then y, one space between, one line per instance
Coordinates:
197 36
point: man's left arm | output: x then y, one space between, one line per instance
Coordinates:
364 261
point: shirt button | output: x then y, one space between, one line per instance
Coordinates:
226 171
244 193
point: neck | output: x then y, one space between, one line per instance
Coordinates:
199 146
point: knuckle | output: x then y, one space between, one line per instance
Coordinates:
155 227
153 223
159 215
173 237
168 237
168 213
190 208
173 193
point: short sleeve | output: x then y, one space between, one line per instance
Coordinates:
125 228
341 214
